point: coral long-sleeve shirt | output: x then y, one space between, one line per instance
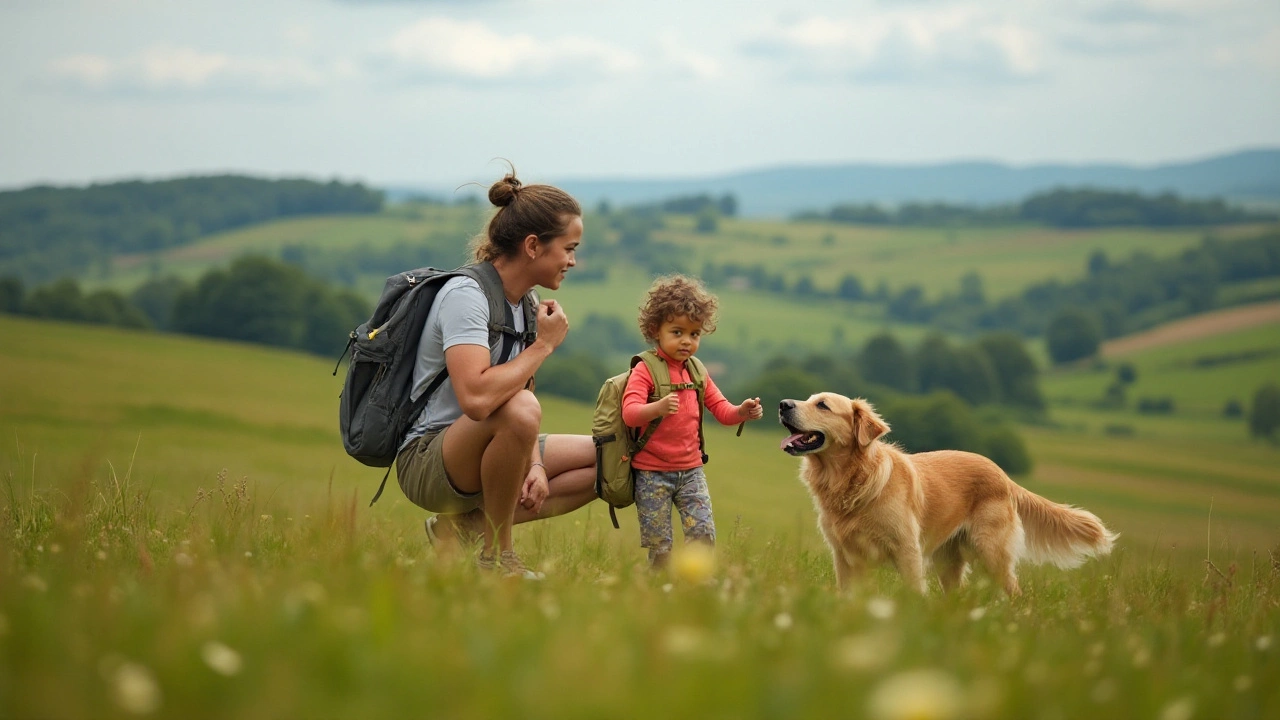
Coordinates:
674 445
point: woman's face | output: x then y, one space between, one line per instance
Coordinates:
555 258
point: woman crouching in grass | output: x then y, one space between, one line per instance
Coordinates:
475 455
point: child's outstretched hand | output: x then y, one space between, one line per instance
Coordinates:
751 409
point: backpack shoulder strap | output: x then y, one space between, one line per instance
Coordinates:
500 321
661 378
529 305
658 370
698 374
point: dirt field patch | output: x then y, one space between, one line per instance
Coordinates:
1195 328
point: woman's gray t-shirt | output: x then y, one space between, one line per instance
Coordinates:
459 316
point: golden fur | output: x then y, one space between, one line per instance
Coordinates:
876 502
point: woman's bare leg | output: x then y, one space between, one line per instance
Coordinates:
491 456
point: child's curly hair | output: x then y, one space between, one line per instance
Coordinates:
671 296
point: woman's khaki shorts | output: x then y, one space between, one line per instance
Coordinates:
424 480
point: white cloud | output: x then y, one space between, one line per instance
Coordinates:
182 70
919 45
683 59
437 48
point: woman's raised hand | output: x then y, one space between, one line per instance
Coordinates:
553 324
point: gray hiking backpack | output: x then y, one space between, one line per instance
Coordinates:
375 410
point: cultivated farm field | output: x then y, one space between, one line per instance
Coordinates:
184 537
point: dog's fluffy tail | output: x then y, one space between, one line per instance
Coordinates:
1063 535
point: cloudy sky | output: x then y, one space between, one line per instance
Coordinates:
430 92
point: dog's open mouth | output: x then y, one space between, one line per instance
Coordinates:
802 441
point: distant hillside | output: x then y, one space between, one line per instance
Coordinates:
50 231
1250 177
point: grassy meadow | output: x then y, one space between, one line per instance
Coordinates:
184 537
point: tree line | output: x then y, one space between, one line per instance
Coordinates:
48 232
1061 207
256 299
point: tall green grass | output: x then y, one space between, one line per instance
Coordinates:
183 536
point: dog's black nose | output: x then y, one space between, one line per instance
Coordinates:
786 405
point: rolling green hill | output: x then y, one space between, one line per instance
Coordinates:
1008 258
80 401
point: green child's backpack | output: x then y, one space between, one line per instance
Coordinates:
616 443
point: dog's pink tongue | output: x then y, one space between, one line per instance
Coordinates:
791 441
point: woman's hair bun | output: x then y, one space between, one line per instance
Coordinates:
503 192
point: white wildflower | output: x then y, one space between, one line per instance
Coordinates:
683 640
880 608
1263 643
917 695
1180 709
221 659
977 613
135 689
782 621
863 653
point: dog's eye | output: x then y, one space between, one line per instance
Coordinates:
822 405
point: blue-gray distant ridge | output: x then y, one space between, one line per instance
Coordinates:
1250 177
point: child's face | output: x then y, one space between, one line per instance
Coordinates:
679 336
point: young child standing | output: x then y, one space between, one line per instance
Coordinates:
675 315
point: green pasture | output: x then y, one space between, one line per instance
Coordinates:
184 537
1007 257
1199 376
425 224
760 323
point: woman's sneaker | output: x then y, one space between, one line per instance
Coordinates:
445 532
509 564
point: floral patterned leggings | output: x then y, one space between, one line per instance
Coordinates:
656 491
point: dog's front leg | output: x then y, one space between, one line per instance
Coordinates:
848 567
910 563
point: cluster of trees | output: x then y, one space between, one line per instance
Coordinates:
995 369
1113 299
51 231
264 301
1061 207
912 214
66 300
256 300
1087 207
726 205
922 404
1264 415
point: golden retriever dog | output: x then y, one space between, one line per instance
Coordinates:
877 503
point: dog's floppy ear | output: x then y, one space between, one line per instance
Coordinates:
867 425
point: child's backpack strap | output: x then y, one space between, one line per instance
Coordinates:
661 377
698 374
